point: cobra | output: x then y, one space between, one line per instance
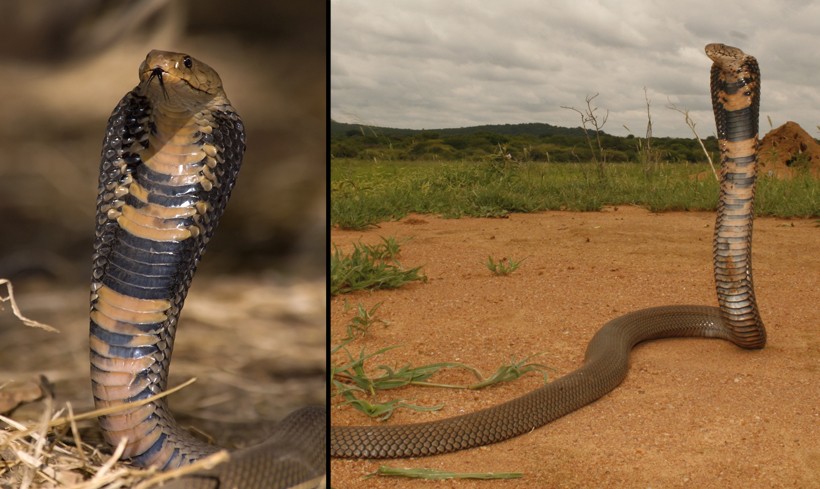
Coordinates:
171 154
735 88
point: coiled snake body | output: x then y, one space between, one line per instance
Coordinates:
735 87
170 157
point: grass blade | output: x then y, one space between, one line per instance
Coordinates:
434 474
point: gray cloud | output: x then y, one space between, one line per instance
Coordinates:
433 64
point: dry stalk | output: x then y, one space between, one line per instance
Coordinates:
16 310
650 157
588 116
691 124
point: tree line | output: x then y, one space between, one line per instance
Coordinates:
518 142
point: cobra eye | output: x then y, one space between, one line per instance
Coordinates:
187 61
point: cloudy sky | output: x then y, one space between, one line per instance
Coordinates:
453 63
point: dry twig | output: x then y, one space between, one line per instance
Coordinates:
691 124
16 310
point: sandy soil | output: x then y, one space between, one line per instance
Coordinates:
691 413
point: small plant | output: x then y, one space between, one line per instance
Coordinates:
362 321
369 267
504 266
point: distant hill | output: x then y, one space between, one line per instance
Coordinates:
537 129
519 142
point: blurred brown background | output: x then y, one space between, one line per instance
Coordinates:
64 66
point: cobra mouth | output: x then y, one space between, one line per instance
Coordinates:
161 75
157 73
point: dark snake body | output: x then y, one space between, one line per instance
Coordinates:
171 154
735 86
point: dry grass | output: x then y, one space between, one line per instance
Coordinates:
50 453
45 444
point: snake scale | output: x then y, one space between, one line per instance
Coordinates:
735 88
171 153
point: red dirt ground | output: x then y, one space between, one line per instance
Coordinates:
691 412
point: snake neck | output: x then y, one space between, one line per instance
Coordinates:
735 84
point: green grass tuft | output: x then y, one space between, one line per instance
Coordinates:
504 266
361 322
370 267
